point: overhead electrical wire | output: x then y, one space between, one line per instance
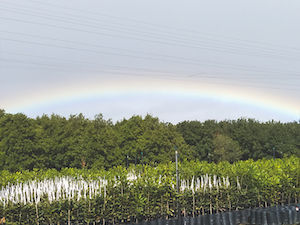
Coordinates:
94 23
155 39
184 59
88 63
129 50
59 62
143 69
152 36
135 74
161 26
141 39
140 57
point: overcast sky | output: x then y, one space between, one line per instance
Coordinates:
178 60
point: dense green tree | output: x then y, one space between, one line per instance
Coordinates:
256 140
226 149
58 142
50 133
148 140
17 137
199 137
102 150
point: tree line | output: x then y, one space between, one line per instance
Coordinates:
58 142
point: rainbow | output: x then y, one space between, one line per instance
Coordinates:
82 90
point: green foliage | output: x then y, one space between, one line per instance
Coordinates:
17 139
152 193
57 142
148 140
226 149
256 140
53 146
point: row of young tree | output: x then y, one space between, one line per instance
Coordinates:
78 142
144 192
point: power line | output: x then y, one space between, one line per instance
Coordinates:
146 39
73 20
163 27
141 57
88 63
166 75
173 59
143 69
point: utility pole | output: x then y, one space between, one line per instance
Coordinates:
142 157
177 185
142 160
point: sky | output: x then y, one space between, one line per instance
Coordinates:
177 60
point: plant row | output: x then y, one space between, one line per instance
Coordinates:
143 192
